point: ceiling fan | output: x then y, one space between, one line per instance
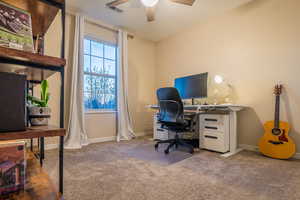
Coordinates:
149 4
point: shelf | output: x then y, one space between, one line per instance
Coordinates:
31 58
38 184
35 66
34 132
42 14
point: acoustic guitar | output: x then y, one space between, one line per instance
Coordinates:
276 142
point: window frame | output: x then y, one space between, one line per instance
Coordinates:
105 43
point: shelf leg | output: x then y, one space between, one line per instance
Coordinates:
31 145
38 143
62 102
61 139
61 164
42 150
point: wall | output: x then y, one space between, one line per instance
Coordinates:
253 47
141 81
141 61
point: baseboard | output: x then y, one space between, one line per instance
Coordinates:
91 141
255 148
102 139
97 140
51 146
249 147
141 134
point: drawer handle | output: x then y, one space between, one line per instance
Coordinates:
211 137
210 120
211 127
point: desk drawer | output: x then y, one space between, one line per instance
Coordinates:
161 134
220 135
213 119
215 141
212 127
212 122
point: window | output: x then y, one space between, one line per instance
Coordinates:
99 75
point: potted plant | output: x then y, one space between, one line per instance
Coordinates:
39 112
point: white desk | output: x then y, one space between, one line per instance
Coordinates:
232 108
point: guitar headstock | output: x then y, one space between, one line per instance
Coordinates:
278 89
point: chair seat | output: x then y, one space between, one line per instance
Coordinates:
177 127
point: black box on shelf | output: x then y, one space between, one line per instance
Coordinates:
12 102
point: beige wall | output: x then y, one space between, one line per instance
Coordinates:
141 81
253 47
141 61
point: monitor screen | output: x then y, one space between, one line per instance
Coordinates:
194 86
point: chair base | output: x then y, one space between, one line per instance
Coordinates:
175 142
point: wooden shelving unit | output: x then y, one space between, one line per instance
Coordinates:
38 183
34 132
38 67
31 58
25 62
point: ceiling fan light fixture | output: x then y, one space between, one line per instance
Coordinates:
149 3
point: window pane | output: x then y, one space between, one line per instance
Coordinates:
87 46
87 63
97 65
87 83
109 67
87 94
102 95
97 49
99 91
110 52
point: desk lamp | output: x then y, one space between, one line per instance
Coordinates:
223 90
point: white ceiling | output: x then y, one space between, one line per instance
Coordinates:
170 17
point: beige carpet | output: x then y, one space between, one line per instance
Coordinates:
134 171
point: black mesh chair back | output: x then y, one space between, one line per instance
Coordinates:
170 105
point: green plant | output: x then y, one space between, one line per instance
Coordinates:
45 95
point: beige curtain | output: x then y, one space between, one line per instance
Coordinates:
125 131
77 136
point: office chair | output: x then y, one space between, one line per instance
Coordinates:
171 115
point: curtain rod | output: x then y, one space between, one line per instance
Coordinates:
106 27
94 22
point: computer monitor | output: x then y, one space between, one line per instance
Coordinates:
191 87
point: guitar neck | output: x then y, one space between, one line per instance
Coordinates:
277 111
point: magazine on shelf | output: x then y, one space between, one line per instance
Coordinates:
15 28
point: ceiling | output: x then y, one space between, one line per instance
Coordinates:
170 17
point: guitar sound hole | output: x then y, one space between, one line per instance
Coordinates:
276 131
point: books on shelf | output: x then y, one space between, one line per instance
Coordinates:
15 28
12 166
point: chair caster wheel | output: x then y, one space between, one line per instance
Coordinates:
156 146
167 151
192 151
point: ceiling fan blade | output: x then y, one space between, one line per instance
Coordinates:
185 2
116 3
150 12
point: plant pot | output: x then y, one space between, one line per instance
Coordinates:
39 116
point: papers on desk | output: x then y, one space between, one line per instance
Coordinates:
232 107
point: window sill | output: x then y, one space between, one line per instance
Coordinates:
90 112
